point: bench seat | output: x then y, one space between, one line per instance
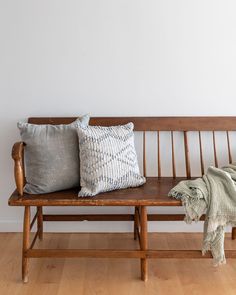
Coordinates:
153 193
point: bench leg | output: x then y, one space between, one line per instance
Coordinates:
40 222
143 240
233 236
26 244
136 223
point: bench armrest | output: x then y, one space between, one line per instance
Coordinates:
19 171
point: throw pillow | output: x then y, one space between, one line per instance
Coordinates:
51 156
108 159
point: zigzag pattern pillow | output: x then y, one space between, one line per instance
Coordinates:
108 159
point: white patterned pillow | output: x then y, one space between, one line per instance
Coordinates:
108 159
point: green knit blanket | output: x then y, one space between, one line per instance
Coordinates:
214 195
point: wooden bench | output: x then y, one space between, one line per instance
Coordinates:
153 193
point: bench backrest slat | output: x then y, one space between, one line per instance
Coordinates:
173 155
154 123
201 155
158 154
144 154
214 146
229 150
186 150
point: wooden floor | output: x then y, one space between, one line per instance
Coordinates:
114 276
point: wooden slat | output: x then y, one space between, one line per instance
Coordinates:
26 244
34 239
105 253
139 230
34 219
168 217
158 154
143 241
186 149
40 222
185 254
233 233
151 201
201 153
229 150
153 193
113 217
19 172
144 154
214 147
88 217
153 123
173 154
136 226
139 237
92 253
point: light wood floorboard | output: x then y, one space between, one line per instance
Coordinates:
85 276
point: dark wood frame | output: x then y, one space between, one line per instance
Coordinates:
140 204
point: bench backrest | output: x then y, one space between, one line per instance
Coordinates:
172 125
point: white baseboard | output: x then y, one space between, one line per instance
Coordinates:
89 226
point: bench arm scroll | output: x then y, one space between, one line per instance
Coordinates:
18 157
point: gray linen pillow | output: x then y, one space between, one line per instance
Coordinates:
51 156
108 159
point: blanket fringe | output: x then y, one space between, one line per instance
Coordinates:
191 205
195 206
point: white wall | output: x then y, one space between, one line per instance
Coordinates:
109 57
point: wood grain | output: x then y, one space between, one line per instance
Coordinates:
144 155
115 276
229 149
153 123
158 154
201 153
18 157
173 155
143 242
187 160
40 221
114 217
26 244
214 147
153 193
